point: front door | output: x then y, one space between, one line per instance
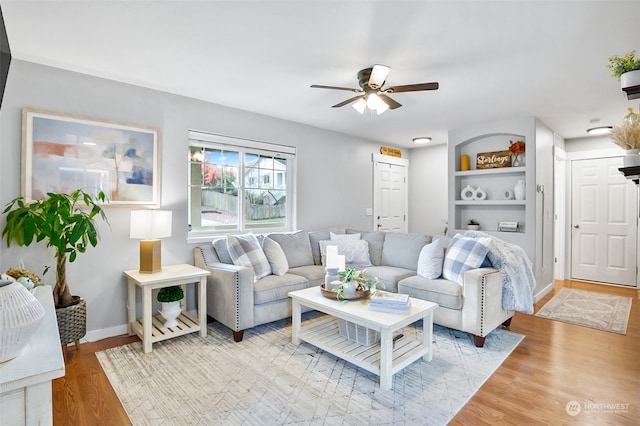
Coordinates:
390 189
604 219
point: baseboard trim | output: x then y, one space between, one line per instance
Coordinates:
543 292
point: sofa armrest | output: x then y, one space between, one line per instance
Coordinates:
229 291
482 293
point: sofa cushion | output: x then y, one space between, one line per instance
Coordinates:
430 260
275 256
274 287
296 247
314 239
220 246
463 254
313 273
443 292
334 237
402 250
388 275
376 242
245 250
356 252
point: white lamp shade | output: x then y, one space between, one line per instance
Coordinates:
150 224
360 105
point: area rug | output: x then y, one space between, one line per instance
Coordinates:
266 380
601 311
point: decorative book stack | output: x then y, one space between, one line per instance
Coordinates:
384 301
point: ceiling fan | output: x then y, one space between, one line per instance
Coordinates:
371 93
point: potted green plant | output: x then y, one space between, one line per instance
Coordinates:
473 225
626 68
170 298
354 284
65 222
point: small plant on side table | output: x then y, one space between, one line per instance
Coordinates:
170 298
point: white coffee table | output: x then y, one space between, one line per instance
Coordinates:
384 358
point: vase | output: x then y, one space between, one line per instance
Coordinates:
519 190
517 160
170 312
20 316
632 159
467 193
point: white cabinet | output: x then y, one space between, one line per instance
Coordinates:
25 381
534 214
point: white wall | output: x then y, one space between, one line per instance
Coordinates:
428 189
334 185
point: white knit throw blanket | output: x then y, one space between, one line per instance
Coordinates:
518 282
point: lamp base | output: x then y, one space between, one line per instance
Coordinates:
150 257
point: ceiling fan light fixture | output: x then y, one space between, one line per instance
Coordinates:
373 101
600 130
360 105
382 107
421 140
378 75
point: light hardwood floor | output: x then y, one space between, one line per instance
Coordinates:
555 364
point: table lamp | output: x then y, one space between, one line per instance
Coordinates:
149 226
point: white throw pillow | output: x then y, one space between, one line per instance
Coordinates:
430 261
245 250
338 237
356 253
276 257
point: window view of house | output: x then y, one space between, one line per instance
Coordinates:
237 188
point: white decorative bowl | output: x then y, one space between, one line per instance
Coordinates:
20 316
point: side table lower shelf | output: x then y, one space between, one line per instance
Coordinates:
325 335
187 323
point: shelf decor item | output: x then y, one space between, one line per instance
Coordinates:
627 137
626 68
519 190
493 160
464 162
473 225
517 150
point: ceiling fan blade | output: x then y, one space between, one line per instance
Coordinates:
413 87
319 86
387 100
378 75
347 102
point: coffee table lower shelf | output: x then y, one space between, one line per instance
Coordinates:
325 335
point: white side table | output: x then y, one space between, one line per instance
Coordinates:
150 328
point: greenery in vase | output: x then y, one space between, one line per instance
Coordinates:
351 276
627 134
170 294
65 222
623 64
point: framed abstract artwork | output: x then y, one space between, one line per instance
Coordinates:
61 153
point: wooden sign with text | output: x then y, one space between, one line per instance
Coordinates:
390 151
493 160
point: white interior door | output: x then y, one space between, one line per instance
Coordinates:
604 217
390 197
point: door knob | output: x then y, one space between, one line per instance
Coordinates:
576 226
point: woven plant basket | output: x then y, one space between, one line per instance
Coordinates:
72 321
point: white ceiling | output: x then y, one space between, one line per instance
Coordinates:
493 60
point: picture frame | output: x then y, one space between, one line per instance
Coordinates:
64 152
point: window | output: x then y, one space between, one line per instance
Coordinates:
238 185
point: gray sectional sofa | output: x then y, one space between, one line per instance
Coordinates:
239 301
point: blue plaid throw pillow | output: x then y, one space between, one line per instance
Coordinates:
245 250
464 253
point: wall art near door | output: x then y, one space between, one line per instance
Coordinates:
62 152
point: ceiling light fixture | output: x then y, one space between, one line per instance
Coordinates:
601 130
360 105
421 140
